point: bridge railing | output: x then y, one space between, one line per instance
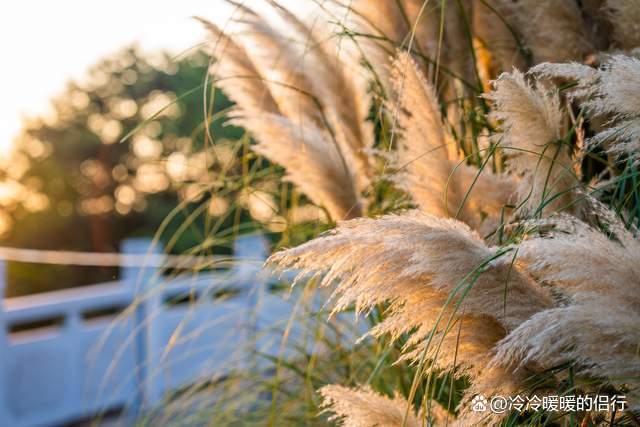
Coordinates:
73 354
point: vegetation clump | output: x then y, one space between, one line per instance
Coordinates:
479 160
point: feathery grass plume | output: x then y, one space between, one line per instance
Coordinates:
624 16
364 408
376 28
313 164
584 76
425 151
431 167
374 265
282 71
553 30
600 336
617 95
532 123
605 93
591 262
618 77
620 140
236 75
439 279
598 325
291 64
344 96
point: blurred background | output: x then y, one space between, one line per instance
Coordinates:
82 78
112 137
108 130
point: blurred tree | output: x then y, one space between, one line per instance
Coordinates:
71 184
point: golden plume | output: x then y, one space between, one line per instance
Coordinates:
444 287
431 167
281 80
597 326
533 128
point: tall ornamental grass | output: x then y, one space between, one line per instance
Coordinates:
478 162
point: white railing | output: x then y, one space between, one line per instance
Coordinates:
77 353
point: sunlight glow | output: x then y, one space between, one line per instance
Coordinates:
45 44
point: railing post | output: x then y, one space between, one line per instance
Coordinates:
4 346
249 253
146 285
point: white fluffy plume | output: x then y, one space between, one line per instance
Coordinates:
609 94
283 77
597 327
533 131
431 168
439 280
365 408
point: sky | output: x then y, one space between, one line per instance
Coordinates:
46 43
